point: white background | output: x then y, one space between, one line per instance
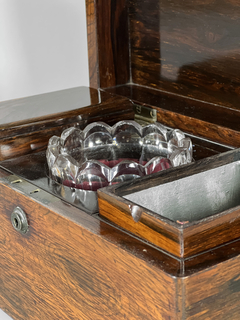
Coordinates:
43 48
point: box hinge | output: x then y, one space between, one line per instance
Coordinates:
144 115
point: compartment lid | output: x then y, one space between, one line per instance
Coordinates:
184 211
47 109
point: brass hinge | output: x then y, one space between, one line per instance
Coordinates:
144 115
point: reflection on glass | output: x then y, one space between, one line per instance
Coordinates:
102 155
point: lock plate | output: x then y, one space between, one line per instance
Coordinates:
19 220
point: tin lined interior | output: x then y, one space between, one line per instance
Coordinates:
195 197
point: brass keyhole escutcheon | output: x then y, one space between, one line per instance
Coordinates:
19 220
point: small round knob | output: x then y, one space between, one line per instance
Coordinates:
19 220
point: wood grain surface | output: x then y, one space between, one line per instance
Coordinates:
108 45
71 265
92 43
178 238
190 48
181 51
213 294
179 104
30 135
156 231
197 117
63 268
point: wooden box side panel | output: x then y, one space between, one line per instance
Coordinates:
92 43
212 233
63 270
108 42
189 47
180 238
149 228
183 240
213 294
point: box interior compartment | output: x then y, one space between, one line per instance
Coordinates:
182 210
195 197
24 142
23 147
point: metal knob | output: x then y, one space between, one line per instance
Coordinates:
19 220
136 212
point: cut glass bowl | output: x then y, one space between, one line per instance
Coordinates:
101 155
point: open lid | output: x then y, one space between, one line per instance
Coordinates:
156 51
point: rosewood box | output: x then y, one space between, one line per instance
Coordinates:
164 246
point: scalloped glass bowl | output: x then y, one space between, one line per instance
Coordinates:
101 155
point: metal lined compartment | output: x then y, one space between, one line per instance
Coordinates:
194 197
185 211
